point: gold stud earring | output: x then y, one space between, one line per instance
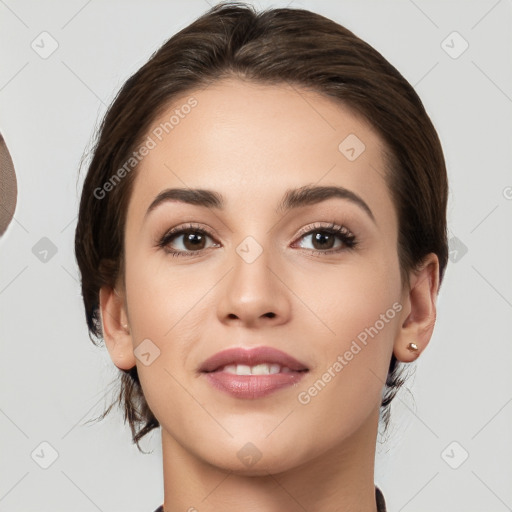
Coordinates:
412 347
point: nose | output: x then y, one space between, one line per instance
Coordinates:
254 293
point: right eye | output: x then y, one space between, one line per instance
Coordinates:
184 241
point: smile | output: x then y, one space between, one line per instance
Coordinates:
259 369
252 373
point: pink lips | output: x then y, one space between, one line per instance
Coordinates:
252 386
251 357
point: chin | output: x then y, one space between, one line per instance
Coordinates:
258 458
263 467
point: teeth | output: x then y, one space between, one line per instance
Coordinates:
265 369
259 369
243 369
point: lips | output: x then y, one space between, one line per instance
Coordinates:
252 374
240 357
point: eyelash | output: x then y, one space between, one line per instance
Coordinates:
344 234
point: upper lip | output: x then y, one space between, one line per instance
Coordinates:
251 357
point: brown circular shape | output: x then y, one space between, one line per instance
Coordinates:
8 187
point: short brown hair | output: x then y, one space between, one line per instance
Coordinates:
274 46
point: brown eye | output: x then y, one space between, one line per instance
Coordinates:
193 241
322 240
328 239
185 241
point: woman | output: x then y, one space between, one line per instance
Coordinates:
261 240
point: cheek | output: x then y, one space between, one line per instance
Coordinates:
162 296
349 298
168 305
357 309
361 307
163 306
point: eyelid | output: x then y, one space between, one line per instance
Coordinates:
190 226
317 226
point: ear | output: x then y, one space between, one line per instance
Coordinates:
116 331
419 311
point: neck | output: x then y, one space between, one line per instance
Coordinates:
341 479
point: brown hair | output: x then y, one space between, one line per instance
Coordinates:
274 46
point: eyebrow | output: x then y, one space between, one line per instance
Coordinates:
293 198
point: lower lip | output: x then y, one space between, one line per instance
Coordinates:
252 386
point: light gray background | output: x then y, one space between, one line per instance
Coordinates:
53 379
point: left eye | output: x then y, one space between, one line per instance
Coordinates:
329 239
321 240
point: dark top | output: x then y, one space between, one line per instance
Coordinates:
379 497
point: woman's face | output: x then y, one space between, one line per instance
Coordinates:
267 273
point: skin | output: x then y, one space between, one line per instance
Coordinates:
252 142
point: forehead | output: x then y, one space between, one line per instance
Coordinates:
249 140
